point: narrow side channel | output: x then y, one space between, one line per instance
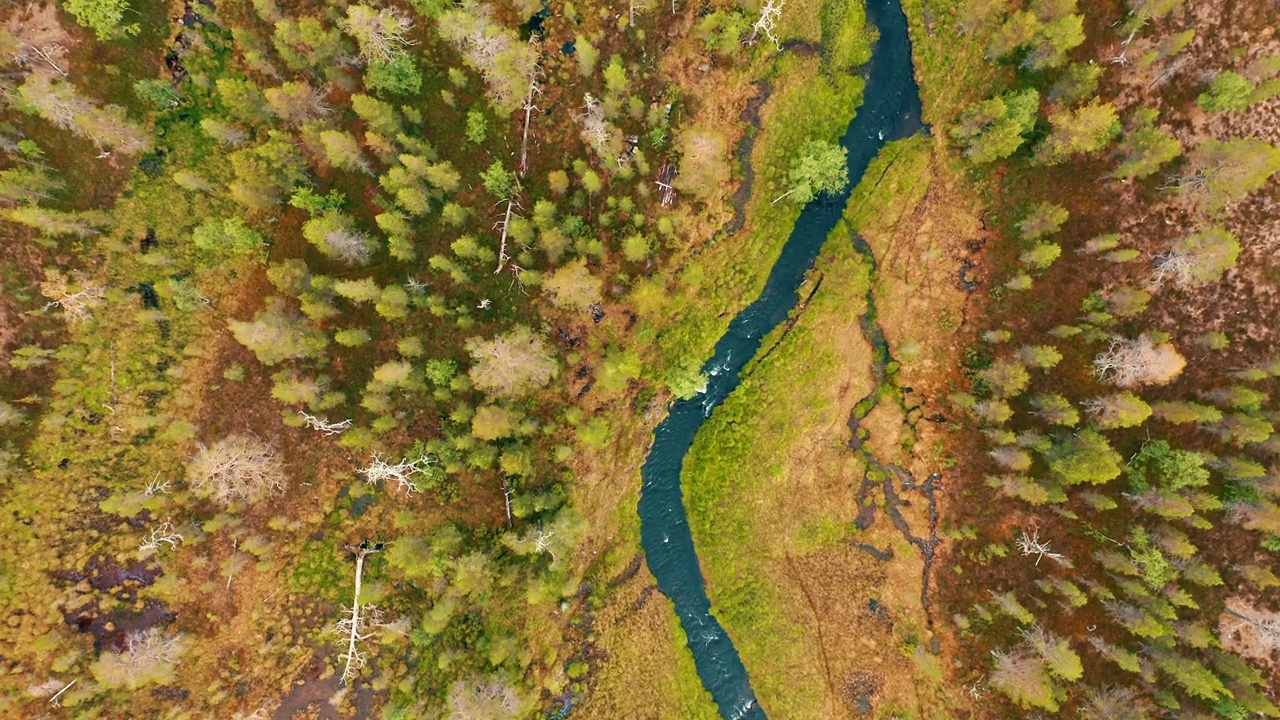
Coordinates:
890 110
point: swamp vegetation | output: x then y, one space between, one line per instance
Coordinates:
333 337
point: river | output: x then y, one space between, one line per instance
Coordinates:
890 110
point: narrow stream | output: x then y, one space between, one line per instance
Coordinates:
890 110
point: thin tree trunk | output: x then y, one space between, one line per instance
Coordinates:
528 113
502 249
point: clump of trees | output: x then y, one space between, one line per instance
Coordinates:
493 50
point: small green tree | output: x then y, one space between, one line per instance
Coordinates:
997 127
1121 410
1055 410
1041 357
243 100
821 168
1084 457
231 237
477 126
1144 148
275 335
104 17
1077 82
1006 378
1078 131
1229 91
1045 218
1226 171
499 182
573 287
397 76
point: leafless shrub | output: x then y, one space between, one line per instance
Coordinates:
482 699
163 535
235 468
402 473
148 656
1033 545
1130 363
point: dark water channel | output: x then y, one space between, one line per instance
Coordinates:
890 110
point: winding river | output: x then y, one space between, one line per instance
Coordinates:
890 110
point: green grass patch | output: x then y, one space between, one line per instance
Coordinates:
731 478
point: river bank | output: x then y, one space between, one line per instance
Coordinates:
890 109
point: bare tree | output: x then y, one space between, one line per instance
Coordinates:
148 656
1115 703
1197 259
1021 675
1011 458
59 102
323 426
235 468
767 23
1139 361
482 699
349 244
529 107
297 102
595 129
163 535
1033 545
402 473
381 34
492 49
74 297
361 621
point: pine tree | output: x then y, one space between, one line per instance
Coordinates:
997 127
1079 131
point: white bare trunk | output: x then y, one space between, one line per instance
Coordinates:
502 248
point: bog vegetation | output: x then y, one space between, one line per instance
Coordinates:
327 326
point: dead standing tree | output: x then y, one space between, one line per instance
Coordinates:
361 621
1140 361
529 107
165 534
76 306
768 22
513 204
595 129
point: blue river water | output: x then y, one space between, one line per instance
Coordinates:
890 110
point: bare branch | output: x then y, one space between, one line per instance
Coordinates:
163 535
768 22
1033 545
402 472
323 425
